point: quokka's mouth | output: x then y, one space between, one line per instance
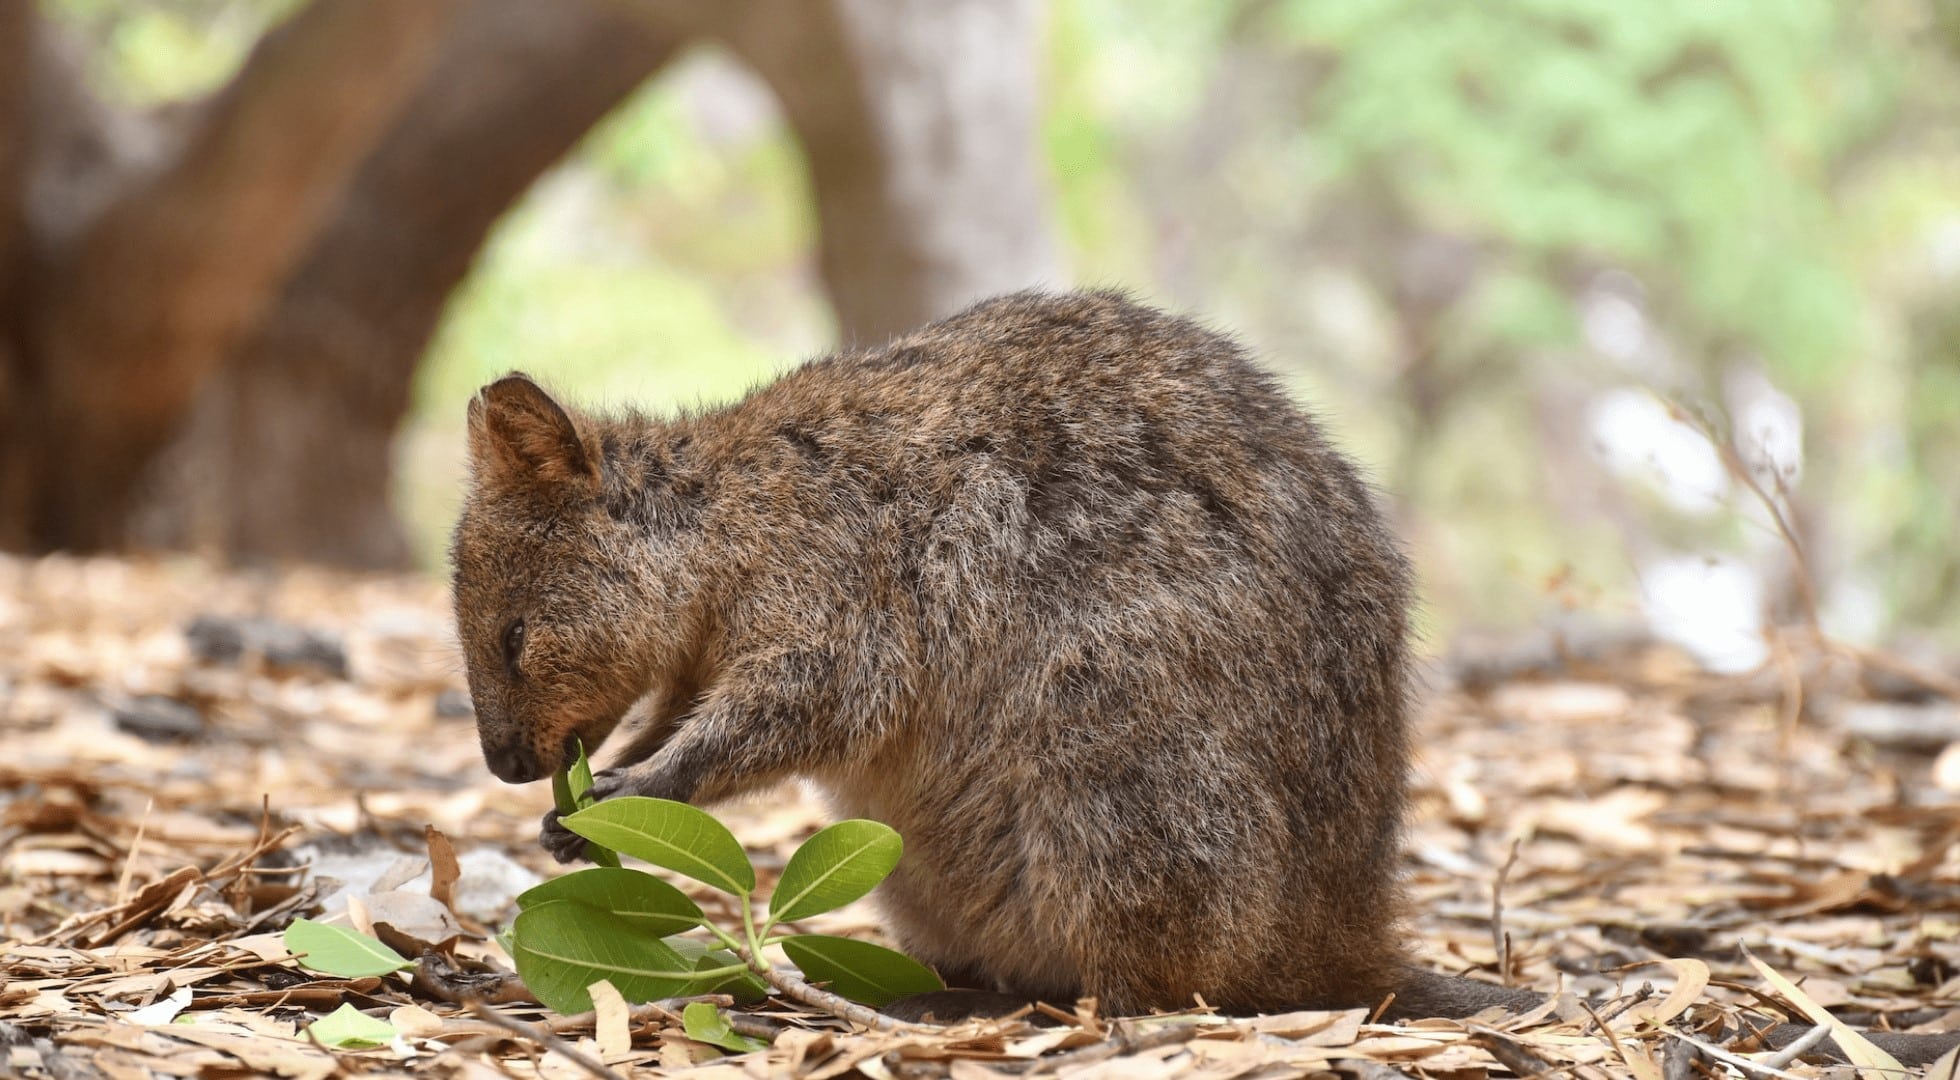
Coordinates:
514 765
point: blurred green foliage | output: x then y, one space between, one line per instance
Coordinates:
157 51
1428 214
1416 202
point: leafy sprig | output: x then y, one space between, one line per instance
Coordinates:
650 940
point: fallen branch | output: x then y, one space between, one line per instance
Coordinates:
794 988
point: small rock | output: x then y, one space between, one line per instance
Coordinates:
156 718
216 640
284 647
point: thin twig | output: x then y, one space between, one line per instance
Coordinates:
1498 937
663 1009
1791 675
1737 1060
545 1039
1613 1012
1731 458
755 1027
129 857
1512 1054
235 863
1122 1043
1606 1029
1376 1016
1795 1050
1370 1070
333 1055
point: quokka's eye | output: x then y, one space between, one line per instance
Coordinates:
513 644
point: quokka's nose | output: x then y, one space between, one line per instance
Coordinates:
513 764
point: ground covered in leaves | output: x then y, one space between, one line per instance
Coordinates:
194 759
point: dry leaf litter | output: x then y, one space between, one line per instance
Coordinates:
194 758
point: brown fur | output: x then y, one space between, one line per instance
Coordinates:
1062 588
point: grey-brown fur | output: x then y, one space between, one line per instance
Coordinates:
1062 588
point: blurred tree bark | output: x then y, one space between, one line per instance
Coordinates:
16 53
288 449
210 316
919 121
137 279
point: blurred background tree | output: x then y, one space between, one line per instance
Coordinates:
1521 254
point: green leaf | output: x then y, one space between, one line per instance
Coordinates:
348 1028
337 950
579 782
563 946
833 868
654 907
705 1023
670 834
571 791
859 970
561 792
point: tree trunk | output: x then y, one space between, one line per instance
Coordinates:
128 321
19 30
221 306
288 453
919 120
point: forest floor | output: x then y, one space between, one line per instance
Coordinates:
190 757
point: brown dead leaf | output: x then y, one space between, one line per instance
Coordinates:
444 871
610 1024
1690 981
409 923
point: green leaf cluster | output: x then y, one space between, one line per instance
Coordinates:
631 928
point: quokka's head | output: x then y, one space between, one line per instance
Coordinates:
557 591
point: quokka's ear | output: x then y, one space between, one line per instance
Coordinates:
520 435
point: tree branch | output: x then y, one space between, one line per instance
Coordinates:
169 274
297 428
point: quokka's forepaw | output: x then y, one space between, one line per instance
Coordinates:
564 844
643 779
612 783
